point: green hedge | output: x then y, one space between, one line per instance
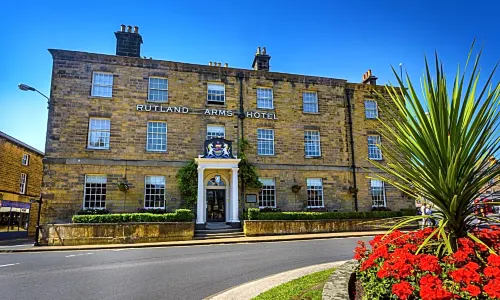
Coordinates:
180 215
255 214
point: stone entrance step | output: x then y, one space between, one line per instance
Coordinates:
224 233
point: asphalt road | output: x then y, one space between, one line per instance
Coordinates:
193 272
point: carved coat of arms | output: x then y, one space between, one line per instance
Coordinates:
218 148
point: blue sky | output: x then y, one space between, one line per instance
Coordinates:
340 39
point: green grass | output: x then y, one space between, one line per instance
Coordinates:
309 287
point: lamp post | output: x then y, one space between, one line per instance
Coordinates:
25 87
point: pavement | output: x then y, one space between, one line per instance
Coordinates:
183 272
254 288
24 247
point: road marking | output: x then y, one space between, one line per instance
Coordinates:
1 266
73 255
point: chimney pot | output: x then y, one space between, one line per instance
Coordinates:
258 50
129 28
218 64
263 50
122 28
128 44
209 63
136 29
226 65
261 60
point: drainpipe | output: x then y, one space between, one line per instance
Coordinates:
353 166
241 117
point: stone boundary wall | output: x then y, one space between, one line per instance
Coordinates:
114 233
275 227
337 286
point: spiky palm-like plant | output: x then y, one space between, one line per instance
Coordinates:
439 147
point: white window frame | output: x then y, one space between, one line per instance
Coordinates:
309 101
267 191
214 93
155 194
371 109
100 133
152 133
374 152
22 185
26 159
263 141
379 185
98 87
264 98
213 130
159 89
314 188
102 196
308 140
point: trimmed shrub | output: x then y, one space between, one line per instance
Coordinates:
152 210
93 211
180 215
255 214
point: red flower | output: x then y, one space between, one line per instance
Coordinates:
427 262
460 256
472 289
492 272
403 290
492 289
494 260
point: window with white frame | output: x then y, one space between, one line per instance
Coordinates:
95 192
216 93
99 132
267 195
154 192
371 109
265 141
158 89
378 193
374 151
157 136
216 131
310 102
314 192
26 160
102 84
312 143
22 185
265 98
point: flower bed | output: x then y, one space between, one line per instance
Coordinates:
393 270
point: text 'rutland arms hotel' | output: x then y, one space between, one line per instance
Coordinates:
116 119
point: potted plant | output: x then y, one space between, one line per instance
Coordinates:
353 190
296 188
123 186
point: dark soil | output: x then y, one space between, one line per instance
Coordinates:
356 291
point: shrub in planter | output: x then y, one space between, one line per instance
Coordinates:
253 213
381 209
92 211
256 214
270 209
152 210
180 215
395 269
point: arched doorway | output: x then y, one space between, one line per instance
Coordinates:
216 199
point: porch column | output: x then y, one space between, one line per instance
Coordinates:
200 201
234 196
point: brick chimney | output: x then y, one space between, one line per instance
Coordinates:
261 60
368 78
128 43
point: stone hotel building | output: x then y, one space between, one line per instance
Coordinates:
121 126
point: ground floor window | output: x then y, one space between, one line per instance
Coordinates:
267 195
95 191
378 193
314 192
154 194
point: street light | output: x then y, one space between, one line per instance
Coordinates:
25 87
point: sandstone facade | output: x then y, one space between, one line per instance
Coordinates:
69 159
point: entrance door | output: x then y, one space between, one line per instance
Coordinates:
216 200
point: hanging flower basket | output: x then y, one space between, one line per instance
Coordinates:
353 190
296 188
122 186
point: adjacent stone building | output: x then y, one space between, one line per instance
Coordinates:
121 126
20 181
